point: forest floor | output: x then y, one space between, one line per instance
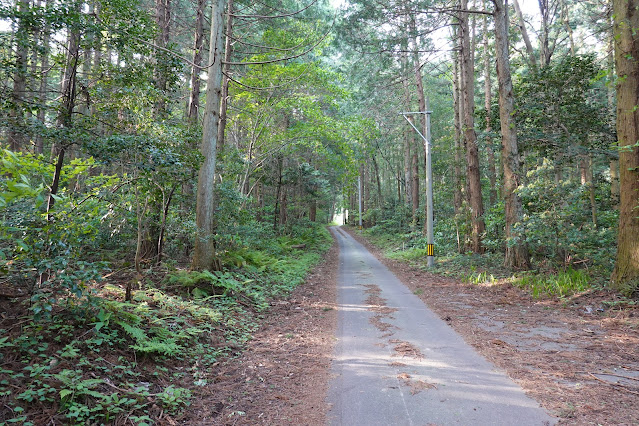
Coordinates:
579 357
282 375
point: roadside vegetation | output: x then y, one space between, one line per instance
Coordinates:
95 358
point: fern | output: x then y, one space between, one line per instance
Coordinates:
137 333
168 347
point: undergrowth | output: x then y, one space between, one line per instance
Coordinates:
487 268
107 361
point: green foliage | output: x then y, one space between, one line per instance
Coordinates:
561 108
49 250
558 223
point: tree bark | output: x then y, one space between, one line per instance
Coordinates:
614 162
43 89
516 248
457 173
415 187
470 137
626 22
409 132
194 97
524 34
421 99
312 211
379 183
488 101
17 133
163 21
228 51
204 253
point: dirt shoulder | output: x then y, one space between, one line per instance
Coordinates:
579 358
282 375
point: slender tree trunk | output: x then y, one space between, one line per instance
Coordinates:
470 137
283 206
194 96
379 183
43 89
409 132
415 186
17 133
614 162
366 188
421 99
626 22
614 183
163 20
97 54
457 173
312 211
566 21
524 34
544 37
278 192
585 168
64 119
204 254
488 101
516 248
228 51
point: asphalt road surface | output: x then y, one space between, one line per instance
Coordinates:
397 363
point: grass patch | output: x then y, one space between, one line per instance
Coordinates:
562 284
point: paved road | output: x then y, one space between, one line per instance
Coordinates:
397 363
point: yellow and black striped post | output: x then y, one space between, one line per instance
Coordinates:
430 250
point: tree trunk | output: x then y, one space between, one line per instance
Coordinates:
43 89
566 21
524 34
516 248
457 173
278 192
626 21
17 133
585 168
415 187
283 206
421 98
614 183
204 253
379 183
312 211
194 96
488 101
163 21
610 87
544 37
470 137
228 50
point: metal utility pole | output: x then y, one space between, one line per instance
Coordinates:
359 189
430 243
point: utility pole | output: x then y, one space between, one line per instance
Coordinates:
359 189
430 240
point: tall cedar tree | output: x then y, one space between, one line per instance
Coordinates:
626 28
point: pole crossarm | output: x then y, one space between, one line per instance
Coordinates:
404 114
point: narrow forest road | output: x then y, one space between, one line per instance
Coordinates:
397 363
